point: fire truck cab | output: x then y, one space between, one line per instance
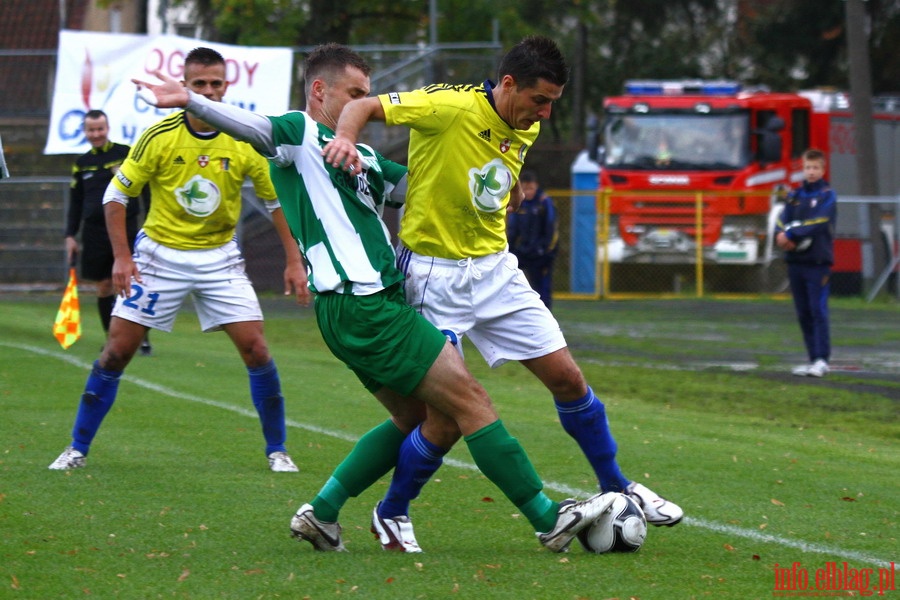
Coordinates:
665 141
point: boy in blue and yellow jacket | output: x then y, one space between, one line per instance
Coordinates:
805 231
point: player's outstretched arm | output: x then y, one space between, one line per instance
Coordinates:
354 116
242 124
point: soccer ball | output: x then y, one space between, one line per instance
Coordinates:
621 528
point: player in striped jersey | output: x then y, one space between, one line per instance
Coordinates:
188 247
467 145
401 358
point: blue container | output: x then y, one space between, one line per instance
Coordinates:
583 266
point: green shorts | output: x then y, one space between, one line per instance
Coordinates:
380 337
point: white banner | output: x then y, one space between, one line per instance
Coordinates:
94 71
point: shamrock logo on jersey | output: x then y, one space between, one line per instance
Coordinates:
490 185
199 196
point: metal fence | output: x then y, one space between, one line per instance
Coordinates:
590 266
32 251
32 246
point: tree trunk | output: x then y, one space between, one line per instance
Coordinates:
861 98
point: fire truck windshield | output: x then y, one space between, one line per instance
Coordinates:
677 141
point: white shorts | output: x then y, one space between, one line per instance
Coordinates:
486 298
215 278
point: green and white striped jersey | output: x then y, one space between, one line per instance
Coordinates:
335 216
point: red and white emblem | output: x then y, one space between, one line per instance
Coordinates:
504 145
203 160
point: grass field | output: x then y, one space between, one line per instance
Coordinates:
177 502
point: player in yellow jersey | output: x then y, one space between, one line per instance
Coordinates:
467 146
188 247
400 357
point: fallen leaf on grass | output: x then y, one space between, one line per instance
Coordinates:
777 502
184 575
728 547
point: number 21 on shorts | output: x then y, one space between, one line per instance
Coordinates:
137 299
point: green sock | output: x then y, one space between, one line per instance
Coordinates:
503 460
373 456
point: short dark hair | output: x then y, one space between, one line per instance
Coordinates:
95 113
535 57
203 56
814 154
528 176
328 60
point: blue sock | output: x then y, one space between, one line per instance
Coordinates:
99 395
417 462
265 390
585 420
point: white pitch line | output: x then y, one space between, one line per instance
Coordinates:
748 534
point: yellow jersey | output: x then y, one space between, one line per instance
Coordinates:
195 182
463 161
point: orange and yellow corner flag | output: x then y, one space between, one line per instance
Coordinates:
67 327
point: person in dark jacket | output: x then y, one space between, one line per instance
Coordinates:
91 174
805 231
533 235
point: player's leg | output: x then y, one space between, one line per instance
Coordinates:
265 389
449 388
152 303
224 299
100 390
522 328
500 456
581 414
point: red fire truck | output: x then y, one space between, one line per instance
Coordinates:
666 141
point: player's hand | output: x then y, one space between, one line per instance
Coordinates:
341 152
168 94
123 271
516 197
296 282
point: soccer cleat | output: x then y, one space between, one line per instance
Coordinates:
572 517
325 537
146 348
69 459
280 462
394 534
657 509
818 368
801 371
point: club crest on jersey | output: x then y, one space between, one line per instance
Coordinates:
203 160
489 185
199 197
504 145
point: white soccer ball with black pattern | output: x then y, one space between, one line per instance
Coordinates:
621 528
